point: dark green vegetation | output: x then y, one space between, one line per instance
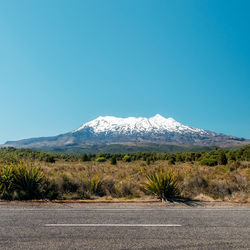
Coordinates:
24 182
123 148
30 174
214 157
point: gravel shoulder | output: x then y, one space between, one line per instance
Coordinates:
120 204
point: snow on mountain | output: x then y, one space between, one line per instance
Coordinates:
130 125
107 130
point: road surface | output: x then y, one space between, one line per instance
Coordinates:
142 228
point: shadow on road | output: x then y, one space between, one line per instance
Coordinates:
184 201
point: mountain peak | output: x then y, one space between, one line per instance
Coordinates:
158 116
132 125
162 118
112 130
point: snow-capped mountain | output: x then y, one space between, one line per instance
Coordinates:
132 125
113 130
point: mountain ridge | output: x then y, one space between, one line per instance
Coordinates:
106 130
156 123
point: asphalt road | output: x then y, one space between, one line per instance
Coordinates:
124 228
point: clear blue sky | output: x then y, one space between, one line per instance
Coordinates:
63 63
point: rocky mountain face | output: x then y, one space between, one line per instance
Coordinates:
114 130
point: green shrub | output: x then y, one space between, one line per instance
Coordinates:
209 162
96 185
25 182
49 159
101 159
113 161
85 157
6 182
28 182
127 158
222 158
51 191
162 185
171 161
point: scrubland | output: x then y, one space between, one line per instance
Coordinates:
120 177
126 180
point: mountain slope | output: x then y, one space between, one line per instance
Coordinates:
113 130
131 125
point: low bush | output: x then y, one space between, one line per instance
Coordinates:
127 158
101 159
126 189
51 190
29 182
113 161
95 186
6 182
91 186
162 185
194 184
109 186
209 162
69 185
85 157
22 182
219 189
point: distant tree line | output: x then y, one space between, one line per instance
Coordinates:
215 157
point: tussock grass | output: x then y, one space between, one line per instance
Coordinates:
126 179
92 179
23 182
162 185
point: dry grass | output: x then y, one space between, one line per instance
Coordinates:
229 182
